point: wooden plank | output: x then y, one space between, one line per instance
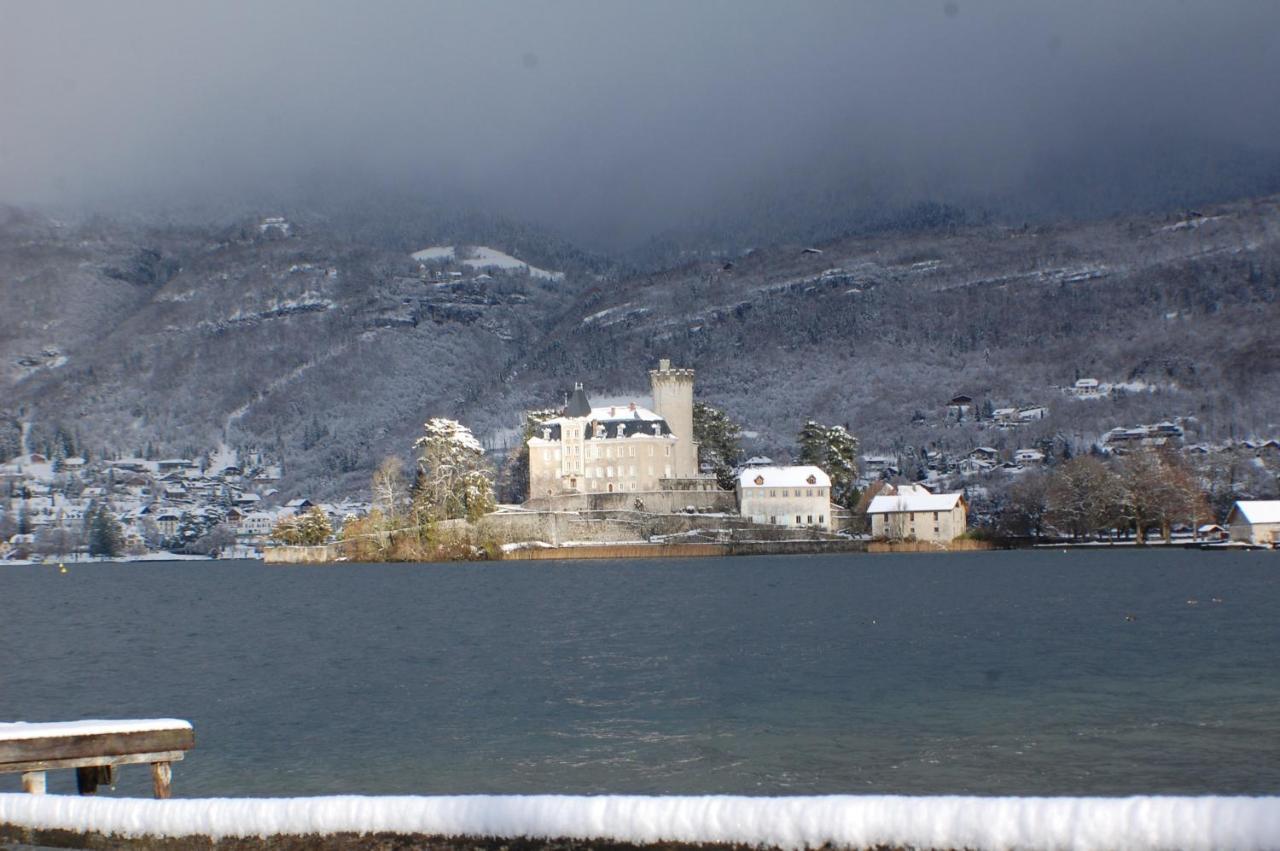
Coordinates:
33 783
161 778
94 744
122 759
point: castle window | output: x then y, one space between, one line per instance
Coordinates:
821 520
797 519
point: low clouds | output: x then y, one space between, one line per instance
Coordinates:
614 121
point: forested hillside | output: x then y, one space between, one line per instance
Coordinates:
323 343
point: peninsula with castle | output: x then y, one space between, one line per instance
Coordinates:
624 480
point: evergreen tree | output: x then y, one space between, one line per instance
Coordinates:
455 480
833 450
105 537
719 442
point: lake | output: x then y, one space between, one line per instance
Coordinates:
976 673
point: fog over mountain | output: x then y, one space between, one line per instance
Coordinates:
613 123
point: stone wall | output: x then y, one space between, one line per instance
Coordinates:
655 502
300 555
959 545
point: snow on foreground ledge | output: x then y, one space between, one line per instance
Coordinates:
1053 824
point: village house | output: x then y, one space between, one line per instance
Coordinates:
1255 521
914 513
620 448
1085 388
785 496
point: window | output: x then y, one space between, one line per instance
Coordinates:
631 452
935 519
797 519
773 520
650 451
773 491
668 448
810 520
608 452
821 520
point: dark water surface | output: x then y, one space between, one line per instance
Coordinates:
986 673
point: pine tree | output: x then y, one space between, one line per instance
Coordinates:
719 442
105 537
455 480
833 450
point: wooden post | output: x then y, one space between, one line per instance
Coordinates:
33 782
87 780
161 777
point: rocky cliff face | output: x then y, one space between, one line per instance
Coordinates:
329 349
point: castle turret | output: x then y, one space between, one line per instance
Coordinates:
673 401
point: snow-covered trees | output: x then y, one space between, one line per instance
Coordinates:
454 480
719 442
835 452
303 530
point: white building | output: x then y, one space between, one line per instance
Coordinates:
919 515
785 496
618 448
1085 388
1255 521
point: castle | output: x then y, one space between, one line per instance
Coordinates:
620 449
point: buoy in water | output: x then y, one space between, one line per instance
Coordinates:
62 569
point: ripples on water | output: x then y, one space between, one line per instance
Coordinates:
991 673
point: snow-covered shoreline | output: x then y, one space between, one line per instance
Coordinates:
841 821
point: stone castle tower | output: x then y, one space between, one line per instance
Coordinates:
673 401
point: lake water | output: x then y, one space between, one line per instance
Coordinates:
982 673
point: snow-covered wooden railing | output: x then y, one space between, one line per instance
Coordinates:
93 749
696 822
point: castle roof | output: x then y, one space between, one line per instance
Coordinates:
617 421
578 406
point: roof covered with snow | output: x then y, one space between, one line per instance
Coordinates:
1259 510
784 477
915 501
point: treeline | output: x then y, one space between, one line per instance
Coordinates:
1143 493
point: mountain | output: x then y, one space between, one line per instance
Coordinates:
323 342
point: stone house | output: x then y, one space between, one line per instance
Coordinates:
917 514
785 496
1255 521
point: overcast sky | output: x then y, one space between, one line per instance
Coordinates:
610 121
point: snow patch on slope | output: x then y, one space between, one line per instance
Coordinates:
1078 824
484 257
